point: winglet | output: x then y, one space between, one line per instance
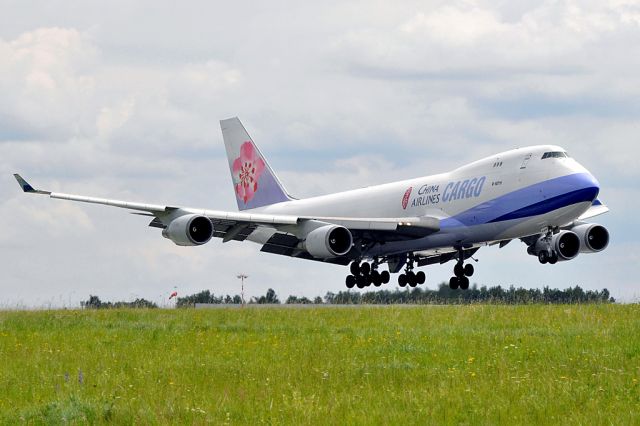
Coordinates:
26 187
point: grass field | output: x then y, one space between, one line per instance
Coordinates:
368 365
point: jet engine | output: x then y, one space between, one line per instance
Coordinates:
565 245
189 230
328 241
593 237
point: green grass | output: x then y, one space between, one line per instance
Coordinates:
381 365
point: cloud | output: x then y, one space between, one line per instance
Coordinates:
43 81
341 95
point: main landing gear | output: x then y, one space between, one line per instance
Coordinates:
547 254
461 273
544 257
409 277
365 274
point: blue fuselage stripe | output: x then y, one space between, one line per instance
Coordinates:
537 199
551 204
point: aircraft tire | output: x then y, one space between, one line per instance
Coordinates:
464 283
350 281
365 268
411 279
453 283
469 270
421 277
402 280
361 281
553 259
385 276
458 270
376 278
355 268
543 257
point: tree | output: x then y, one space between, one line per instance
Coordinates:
94 302
269 298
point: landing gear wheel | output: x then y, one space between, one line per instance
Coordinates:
350 281
458 270
453 283
355 268
361 281
543 257
402 280
385 277
468 270
376 278
421 277
411 279
365 268
464 283
553 259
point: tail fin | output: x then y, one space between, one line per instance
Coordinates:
254 182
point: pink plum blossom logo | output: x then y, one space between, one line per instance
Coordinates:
405 198
246 171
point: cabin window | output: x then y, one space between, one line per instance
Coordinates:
555 154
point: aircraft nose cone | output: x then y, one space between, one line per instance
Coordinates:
593 185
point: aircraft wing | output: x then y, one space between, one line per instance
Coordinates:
281 236
596 209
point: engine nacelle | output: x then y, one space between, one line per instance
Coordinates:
189 230
329 241
565 244
593 237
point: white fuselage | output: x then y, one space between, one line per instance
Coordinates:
509 195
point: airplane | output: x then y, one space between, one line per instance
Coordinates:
538 194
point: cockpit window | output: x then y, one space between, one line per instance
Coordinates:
555 154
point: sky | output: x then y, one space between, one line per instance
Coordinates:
123 99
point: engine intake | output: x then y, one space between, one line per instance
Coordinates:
593 237
189 230
566 244
329 241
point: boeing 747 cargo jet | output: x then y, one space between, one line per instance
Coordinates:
537 194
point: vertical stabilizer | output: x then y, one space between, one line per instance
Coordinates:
254 182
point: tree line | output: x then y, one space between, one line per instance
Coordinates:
94 302
442 295
206 296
